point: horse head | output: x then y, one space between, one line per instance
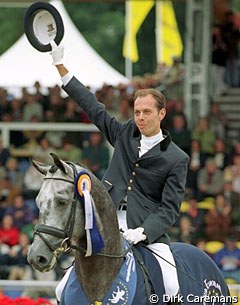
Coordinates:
73 206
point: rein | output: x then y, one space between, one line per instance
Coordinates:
65 234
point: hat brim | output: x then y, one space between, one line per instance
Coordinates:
43 24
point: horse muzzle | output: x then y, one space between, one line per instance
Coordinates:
43 253
41 259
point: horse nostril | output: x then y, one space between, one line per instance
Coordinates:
41 260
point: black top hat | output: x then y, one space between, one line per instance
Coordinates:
42 24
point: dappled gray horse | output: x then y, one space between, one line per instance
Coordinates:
76 213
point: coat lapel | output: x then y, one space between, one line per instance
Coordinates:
154 151
135 142
158 148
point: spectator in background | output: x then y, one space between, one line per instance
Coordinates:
4 250
43 150
83 116
32 182
55 138
9 233
29 228
31 108
201 244
218 219
69 151
125 110
17 260
4 103
41 95
96 154
21 213
221 156
217 121
174 108
8 190
232 173
186 231
210 180
234 200
218 68
4 155
3 206
205 136
16 110
197 161
228 259
173 80
196 216
231 37
14 173
180 133
236 149
110 98
56 105
71 113
32 136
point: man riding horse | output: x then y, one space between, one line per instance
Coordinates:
147 171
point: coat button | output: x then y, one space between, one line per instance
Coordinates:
129 188
133 173
131 181
137 165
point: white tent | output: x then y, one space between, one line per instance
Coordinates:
22 65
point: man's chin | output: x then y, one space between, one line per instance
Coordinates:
142 130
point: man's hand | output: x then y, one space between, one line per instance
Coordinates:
134 236
57 53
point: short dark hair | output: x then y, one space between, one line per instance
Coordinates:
156 94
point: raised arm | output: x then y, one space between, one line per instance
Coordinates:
106 123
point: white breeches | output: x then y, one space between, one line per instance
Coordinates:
169 272
168 266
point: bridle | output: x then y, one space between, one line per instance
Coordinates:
66 234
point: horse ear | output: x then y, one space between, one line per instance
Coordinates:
41 167
63 166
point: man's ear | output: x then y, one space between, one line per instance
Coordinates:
162 113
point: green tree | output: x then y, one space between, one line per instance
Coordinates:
102 25
11 28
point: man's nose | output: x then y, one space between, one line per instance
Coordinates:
141 116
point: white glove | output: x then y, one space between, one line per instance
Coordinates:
57 53
134 236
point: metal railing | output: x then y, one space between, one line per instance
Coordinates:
6 128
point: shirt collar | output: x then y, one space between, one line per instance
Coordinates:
163 144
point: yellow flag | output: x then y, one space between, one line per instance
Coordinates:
168 39
136 12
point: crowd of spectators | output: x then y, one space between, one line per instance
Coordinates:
225 70
210 211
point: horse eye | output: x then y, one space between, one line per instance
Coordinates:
61 202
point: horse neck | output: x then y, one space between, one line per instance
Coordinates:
97 273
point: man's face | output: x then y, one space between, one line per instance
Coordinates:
147 116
